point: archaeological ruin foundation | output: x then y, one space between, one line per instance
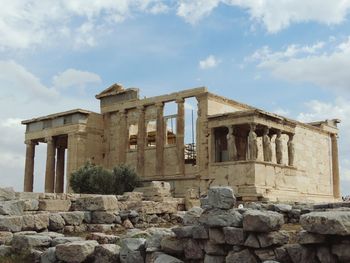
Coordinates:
261 155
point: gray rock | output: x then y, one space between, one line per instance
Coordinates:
183 232
106 253
5 251
41 221
156 235
97 203
216 236
172 245
324 255
342 251
13 208
252 241
103 238
234 235
11 223
159 257
301 254
132 250
283 208
221 218
221 197
200 232
305 237
73 218
56 222
282 255
214 259
213 249
99 227
28 222
31 205
76 251
5 237
240 257
63 240
273 238
28 242
7 193
50 234
265 254
103 217
193 250
258 221
204 200
327 223
48 256
191 217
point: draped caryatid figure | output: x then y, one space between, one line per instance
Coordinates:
231 144
279 147
291 150
267 148
252 143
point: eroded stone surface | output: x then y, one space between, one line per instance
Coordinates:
76 251
258 221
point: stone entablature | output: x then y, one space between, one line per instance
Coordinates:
278 158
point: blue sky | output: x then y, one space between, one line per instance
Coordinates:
288 57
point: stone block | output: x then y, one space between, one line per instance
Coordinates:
258 221
200 232
97 203
214 249
221 197
132 250
172 245
265 255
241 256
327 223
13 208
41 222
77 251
107 253
28 222
56 222
5 251
48 256
183 232
324 255
73 218
191 216
99 227
7 193
216 235
54 205
301 254
27 242
63 240
11 223
214 259
342 251
103 238
252 241
193 250
234 235
31 205
305 237
103 217
221 218
273 238
5 237
156 236
159 257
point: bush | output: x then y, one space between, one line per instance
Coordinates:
93 179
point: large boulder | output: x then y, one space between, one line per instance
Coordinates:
221 218
273 238
327 223
241 256
172 245
11 223
259 221
63 240
13 208
77 251
28 242
73 218
221 197
103 238
103 217
54 205
97 203
159 257
56 222
49 256
234 236
132 250
106 253
156 236
193 250
7 193
41 221
191 216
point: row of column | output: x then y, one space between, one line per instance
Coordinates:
252 145
161 134
54 172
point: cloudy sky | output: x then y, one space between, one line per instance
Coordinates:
290 57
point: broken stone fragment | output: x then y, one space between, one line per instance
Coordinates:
259 221
221 197
76 251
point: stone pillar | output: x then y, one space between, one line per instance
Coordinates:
141 139
76 154
231 144
180 135
59 185
160 140
50 166
335 166
202 136
123 134
29 166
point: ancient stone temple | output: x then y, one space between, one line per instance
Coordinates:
260 155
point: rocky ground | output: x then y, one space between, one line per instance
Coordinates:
53 228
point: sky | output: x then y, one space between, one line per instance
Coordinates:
290 57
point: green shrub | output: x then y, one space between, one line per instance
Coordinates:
93 179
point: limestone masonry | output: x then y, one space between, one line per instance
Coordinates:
261 155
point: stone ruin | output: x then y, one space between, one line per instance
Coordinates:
52 228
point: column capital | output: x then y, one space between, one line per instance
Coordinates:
30 142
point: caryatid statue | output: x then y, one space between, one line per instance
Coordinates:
231 144
279 147
252 143
267 145
291 150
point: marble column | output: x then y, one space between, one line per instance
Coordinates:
180 135
160 140
231 144
29 166
123 134
141 140
59 185
335 166
50 166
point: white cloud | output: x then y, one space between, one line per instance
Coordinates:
209 62
31 23
322 64
73 78
275 15
282 112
